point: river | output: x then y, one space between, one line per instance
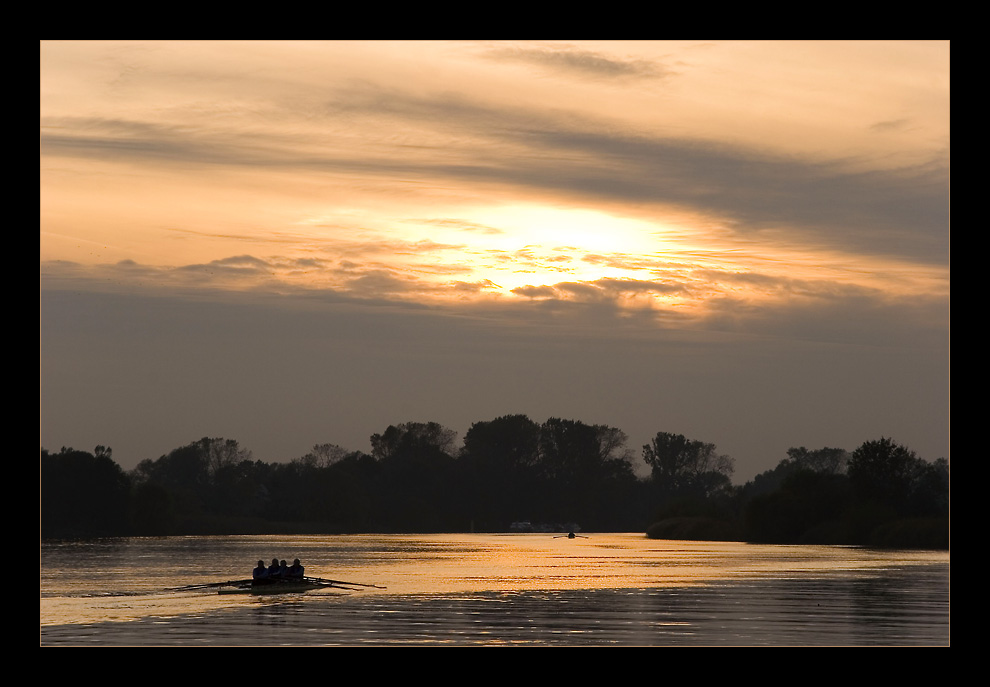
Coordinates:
494 589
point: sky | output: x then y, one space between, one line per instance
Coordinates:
297 243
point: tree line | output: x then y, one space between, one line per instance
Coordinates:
416 478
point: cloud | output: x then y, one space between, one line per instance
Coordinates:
581 62
464 225
899 212
600 289
145 141
536 291
884 212
891 125
475 287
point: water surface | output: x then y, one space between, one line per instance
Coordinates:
518 589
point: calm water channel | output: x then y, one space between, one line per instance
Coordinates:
512 589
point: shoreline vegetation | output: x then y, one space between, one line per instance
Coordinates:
416 479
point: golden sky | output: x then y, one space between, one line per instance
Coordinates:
742 186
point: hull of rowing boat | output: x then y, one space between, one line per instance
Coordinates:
280 588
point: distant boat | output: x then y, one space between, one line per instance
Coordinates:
527 526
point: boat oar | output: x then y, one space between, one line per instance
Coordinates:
329 585
340 582
229 583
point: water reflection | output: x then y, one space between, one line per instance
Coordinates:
519 589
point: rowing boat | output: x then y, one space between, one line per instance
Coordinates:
283 587
297 586
293 586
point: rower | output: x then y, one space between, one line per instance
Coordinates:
261 572
295 572
274 571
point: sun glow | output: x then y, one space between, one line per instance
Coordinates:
566 229
526 252
517 246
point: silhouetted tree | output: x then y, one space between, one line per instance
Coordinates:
412 438
509 468
930 490
826 460
509 443
568 450
222 453
582 467
884 471
83 494
500 457
616 500
808 508
152 511
681 466
194 465
560 471
417 486
325 455
240 489
822 461
352 494
203 479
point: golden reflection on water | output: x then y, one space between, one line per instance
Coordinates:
538 562
129 579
